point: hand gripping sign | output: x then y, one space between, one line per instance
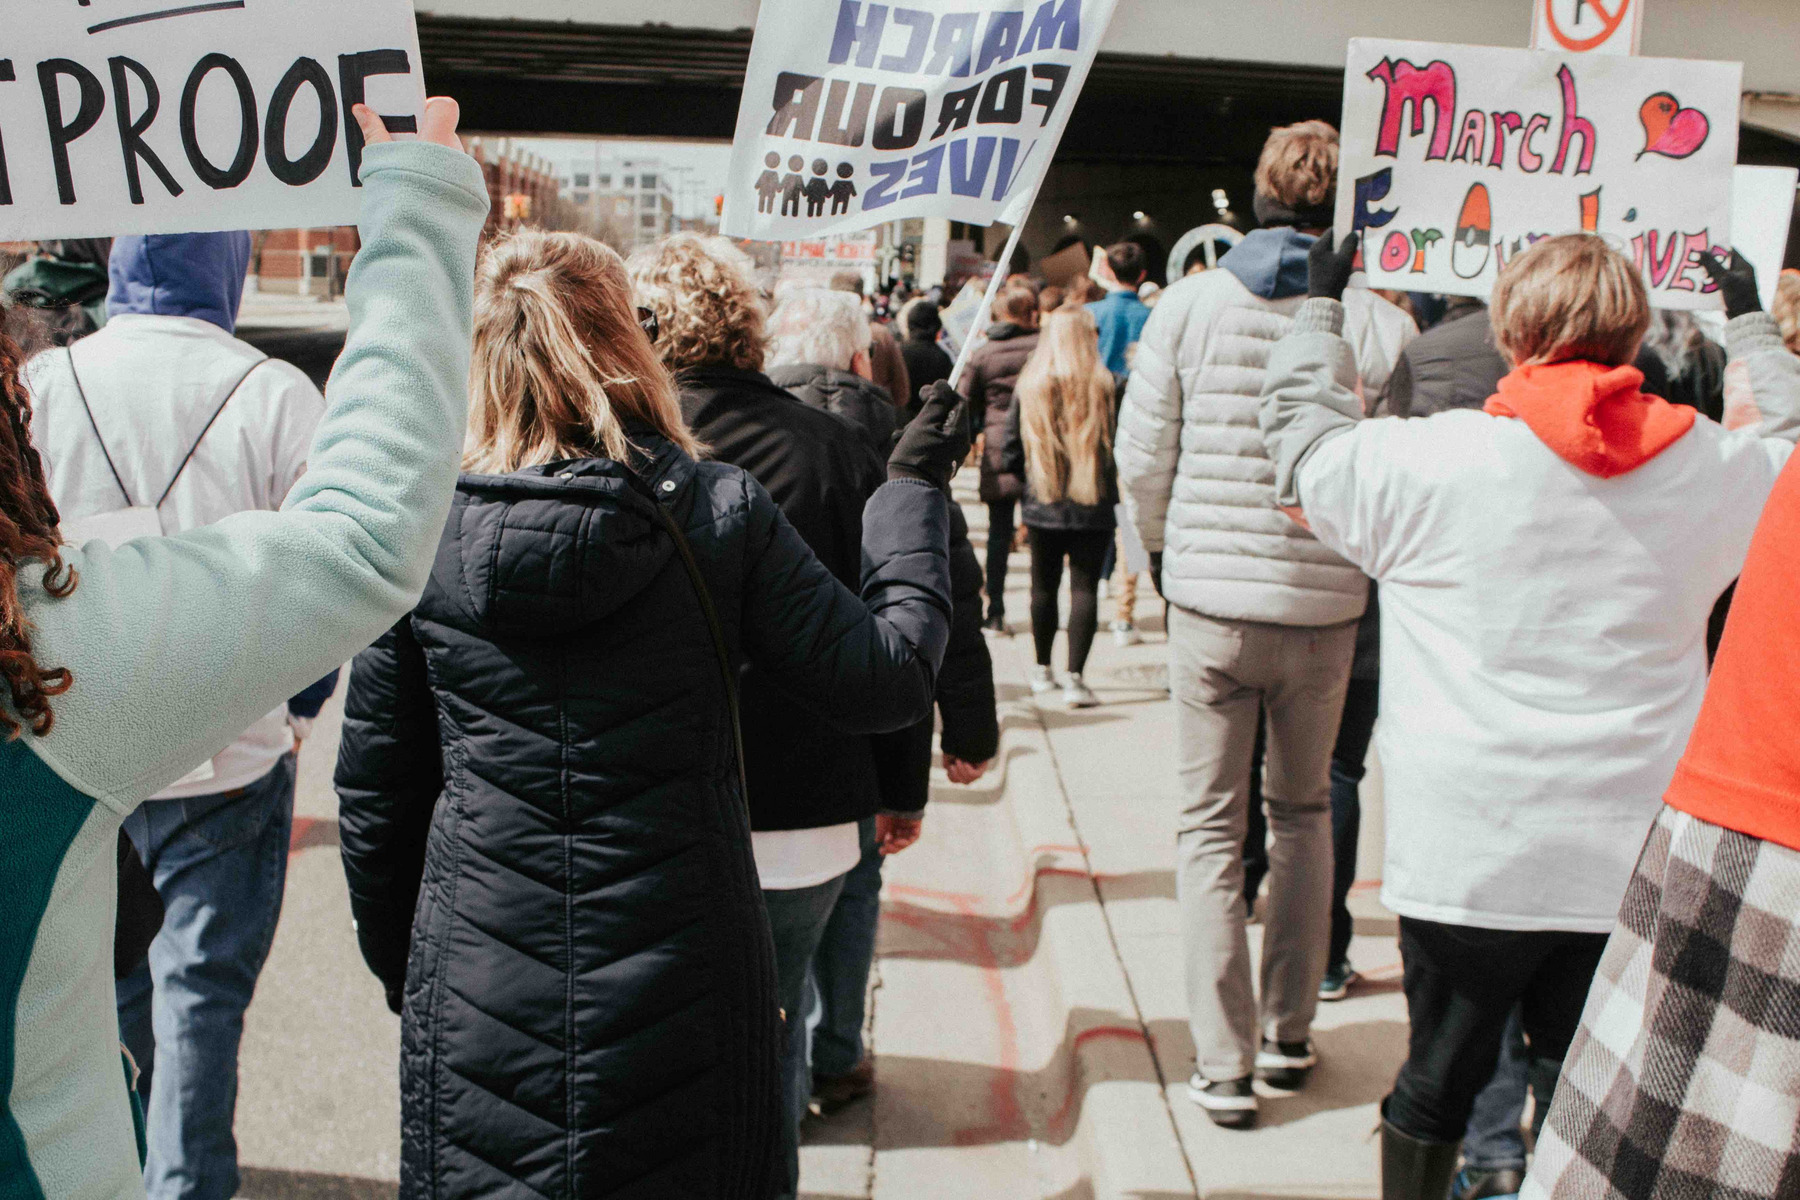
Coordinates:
1456 158
857 112
159 116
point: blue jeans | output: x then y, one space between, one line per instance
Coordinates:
220 865
797 919
1495 1140
841 967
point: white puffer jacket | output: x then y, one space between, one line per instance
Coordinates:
1193 474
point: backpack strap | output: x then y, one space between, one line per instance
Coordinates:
95 425
192 450
714 625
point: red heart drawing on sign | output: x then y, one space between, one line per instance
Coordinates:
1671 130
1610 20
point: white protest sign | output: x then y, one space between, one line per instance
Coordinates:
1588 26
1762 213
154 116
856 112
1456 158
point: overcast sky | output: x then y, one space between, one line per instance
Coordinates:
706 162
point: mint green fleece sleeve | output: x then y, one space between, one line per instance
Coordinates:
177 644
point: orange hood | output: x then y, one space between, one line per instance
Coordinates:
1593 417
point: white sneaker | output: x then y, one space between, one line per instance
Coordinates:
1077 694
1105 590
1230 1103
1125 634
1041 681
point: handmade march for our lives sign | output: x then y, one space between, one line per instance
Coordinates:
165 116
1456 158
857 112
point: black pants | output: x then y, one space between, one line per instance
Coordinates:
1086 550
1461 985
999 551
1349 763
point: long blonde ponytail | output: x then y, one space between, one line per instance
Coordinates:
560 363
1066 411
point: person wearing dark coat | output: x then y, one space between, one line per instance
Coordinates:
926 363
818 803
993 373
862 402
542 803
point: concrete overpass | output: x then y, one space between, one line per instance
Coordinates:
1178 104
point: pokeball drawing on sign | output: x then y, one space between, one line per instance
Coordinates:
1671 130
1473 244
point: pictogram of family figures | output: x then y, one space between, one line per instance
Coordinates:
793 187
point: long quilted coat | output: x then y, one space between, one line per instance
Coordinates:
548 854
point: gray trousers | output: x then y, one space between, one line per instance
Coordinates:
1222 672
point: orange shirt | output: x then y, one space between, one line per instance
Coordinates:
1742 767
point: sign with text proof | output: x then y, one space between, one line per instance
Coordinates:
857 112
1456 158
158 116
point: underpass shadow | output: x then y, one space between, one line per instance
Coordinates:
1357 1065
269 1183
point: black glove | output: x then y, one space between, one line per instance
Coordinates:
1329 266
935 444
1156 571
1737 283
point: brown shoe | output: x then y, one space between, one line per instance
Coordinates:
837 1092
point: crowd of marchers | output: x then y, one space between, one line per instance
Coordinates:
660 611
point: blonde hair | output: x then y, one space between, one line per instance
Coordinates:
1299 165
816 325
707 309
560 363
1786 309
1066 411
1570 298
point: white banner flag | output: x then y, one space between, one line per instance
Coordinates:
856 112
157 116
1455 158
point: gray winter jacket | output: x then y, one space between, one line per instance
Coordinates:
1194 476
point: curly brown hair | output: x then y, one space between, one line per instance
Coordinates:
708 310
28 534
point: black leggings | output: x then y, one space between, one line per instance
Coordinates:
1086 551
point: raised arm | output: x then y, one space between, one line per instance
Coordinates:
1753 338
177 643
389 775
1309 393
868 664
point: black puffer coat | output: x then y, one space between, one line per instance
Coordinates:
540 802
859 401
994 370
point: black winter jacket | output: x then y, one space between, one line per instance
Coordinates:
994 369
926 363
864 404
965 697
547 851
820 473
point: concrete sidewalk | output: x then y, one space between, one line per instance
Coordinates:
1028 1016
1029 1020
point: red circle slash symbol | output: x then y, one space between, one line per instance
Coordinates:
1611 20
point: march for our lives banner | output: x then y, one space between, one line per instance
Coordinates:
1456 158
170 116
856 112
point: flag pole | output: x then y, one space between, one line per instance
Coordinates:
978 334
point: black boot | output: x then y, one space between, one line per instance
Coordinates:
1415 1170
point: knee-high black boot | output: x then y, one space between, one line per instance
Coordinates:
1415 1170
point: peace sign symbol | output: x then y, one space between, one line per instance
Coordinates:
1612 21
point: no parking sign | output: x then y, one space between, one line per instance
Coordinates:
1588 26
